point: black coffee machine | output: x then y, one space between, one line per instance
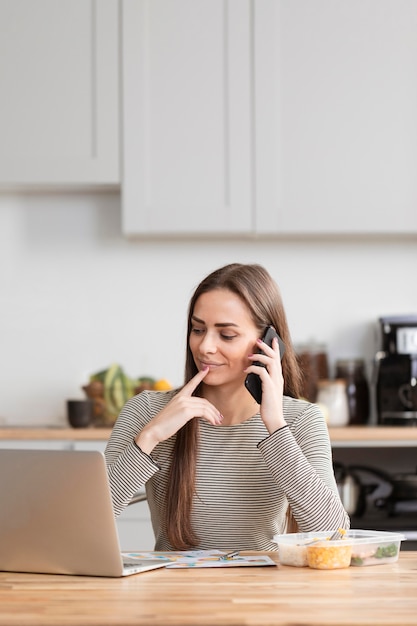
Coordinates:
396 371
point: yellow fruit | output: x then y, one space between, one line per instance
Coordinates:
162 385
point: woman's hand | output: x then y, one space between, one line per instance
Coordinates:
272 412
182 408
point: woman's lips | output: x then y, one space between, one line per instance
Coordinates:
211 366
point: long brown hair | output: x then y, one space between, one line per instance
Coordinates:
256 288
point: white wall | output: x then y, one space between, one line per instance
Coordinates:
75 296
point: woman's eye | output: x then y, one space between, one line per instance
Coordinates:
197 331
228 337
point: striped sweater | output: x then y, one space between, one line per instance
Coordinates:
245 478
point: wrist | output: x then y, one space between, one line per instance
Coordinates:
146 441
276 424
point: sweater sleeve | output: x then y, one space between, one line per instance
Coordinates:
129 468
300 460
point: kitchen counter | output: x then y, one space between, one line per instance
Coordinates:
379 595
356 436
51 434
374 436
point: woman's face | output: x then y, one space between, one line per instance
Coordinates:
222 336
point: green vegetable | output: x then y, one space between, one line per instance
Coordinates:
118 388
100 376
356 560
386 551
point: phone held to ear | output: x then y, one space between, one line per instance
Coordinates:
252 381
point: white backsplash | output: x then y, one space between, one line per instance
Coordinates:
75 296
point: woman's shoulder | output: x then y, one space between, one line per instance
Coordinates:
139 410
153 400
298 408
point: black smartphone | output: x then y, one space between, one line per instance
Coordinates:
252 381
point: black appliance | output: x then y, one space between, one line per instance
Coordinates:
396 371
376 500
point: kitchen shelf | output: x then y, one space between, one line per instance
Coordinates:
342 437
373 436
55 434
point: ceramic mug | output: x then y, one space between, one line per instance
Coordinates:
79 413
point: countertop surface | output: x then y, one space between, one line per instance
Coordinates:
259 596
355 435
51 433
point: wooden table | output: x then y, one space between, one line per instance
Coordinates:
378 595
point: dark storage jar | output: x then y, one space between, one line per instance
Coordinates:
357 389
312 359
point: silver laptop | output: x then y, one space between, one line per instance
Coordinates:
56 515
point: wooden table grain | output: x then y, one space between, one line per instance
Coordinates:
379 595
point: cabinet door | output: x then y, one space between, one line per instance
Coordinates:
187 164
59 83
336 116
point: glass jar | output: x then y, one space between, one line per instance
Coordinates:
312 359
332 394
357 389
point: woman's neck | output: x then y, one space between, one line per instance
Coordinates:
236 406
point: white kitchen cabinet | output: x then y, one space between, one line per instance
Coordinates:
39 444
59 74
271 117
187 117
335 116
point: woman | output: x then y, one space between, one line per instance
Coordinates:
220 470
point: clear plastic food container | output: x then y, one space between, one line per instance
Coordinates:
292 547
357 548
372 547
329 554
